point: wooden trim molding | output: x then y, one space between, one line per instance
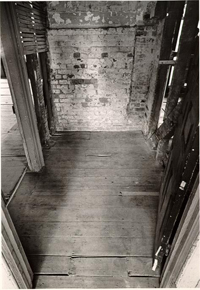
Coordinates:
13 251
16 73
185 237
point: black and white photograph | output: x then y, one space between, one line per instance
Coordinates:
99 144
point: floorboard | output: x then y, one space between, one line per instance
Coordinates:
56 282
88 219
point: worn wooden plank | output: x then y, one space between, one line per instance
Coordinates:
12 144
154 174
60 214
88 246
117 189
10 177
95 282
50 265
92 180
90 266
78 213
143 202
86 229
119 267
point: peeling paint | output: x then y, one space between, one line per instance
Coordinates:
96 19
89 16
68 21
104 74
139 16
57 18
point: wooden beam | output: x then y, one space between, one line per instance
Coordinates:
46 89
34 72
16 73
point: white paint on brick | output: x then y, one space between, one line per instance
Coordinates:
58 19
106 57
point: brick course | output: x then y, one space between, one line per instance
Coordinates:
100 77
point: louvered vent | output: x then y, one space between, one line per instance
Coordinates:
32 23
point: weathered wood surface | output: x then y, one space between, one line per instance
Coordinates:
86 229
93 266
88 246
95 282
16 72
87 217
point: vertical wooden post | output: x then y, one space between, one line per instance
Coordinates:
46 89
170 31
187 41
16 72
34 72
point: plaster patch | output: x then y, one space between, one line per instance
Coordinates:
139 16
57 18
89 16
96 19
68 21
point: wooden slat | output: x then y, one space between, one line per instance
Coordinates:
94 282
32 20
22 13
30 43
141 201
28 21
87 246
118 267
24 9
46 213
50 265
86 229
24 4
88 267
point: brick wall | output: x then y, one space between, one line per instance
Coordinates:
102 55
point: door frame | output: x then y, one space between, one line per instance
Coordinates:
185 237
16 73
13 252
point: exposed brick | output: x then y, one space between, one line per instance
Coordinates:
96 68
77 55
83 81
104 54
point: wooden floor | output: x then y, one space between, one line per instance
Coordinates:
88 220
13 160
